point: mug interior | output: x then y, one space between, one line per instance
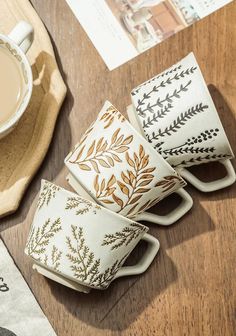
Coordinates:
26 71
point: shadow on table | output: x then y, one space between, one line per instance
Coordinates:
120 305
61 140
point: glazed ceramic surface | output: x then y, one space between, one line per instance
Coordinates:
178 117
17 43
118 168
82 241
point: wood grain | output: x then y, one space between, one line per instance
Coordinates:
190 288
23 151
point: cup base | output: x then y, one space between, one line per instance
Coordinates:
60 279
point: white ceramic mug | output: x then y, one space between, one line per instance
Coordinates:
117 167
83 242
176 114
17 43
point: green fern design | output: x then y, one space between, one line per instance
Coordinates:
136 91
169 98
39 238
76 202
83 262
103 280
125 237
56 255
178 123
49 191
157 115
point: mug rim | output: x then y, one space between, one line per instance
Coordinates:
10 123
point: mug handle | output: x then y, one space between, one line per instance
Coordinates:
22 35
146 260
213 185
173 216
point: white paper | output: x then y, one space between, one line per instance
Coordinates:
20 314
122 29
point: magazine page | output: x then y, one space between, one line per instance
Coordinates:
122 29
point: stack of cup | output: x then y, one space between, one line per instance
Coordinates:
119 172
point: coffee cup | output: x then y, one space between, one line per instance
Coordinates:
115 166
174 111
16 81
83 244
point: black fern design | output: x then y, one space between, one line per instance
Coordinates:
202 159
157 115
178 123
125 237
160 103
83 262
188 146
40 238
136 91
103 280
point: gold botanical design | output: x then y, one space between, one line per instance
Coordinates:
55 258
133 184
102 154
83 262
39 238
124 237
169 182
81 204
109 116
103 279
49 191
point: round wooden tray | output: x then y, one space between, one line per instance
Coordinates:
24 149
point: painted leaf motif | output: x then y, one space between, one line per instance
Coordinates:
83 166
117 200
142 190
128 140
95 184
123 188
121 149
107 201
103 163
111 181
135 199
80 153
91 149
129 160
115 135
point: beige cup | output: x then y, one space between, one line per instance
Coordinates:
81 244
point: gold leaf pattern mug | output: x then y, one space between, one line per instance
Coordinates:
114 165
176 114
79 241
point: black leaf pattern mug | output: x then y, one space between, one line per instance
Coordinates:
82 245
115 166
174 111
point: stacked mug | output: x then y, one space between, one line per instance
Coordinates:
120 170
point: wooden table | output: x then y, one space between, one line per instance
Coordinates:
190 288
